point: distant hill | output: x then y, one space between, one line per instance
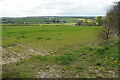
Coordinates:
43 19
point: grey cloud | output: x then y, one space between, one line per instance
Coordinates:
53 7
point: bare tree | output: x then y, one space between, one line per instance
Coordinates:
110 24
112 17
105 34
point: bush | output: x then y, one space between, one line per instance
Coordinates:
59 34
18 38
79 23
41 58
48 39
76 51
23 36
90 49
99 64
39 38
106 47
17 63
102 50
79 67
66 59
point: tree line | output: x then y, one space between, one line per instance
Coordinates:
96 22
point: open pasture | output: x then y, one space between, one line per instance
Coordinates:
48 37
56 51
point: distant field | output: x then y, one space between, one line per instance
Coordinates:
57 24
56 51
44 20
50 37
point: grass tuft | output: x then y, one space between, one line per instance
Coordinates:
66 59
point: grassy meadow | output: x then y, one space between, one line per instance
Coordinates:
52 51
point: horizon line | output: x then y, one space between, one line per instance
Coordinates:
54 16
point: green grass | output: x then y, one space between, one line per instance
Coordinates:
70 64
41 58
66 59
49 37
72 51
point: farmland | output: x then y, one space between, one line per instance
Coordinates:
45 19
56 51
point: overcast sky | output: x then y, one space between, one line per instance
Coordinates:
23 8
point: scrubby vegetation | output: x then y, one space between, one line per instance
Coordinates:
66 59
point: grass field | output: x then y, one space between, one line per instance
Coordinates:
50 37
56 51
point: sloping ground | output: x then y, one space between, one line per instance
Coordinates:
63 52
10 56
73 61
21 42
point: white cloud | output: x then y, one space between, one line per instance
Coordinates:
20 8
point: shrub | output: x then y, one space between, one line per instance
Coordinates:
66 59
41 58
90 49
79 23
24 75
39 38
102 50
22 32
18 38
59 34
48 39
99 64
76 51
79 67
106 47
58 39
17 63
23 36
